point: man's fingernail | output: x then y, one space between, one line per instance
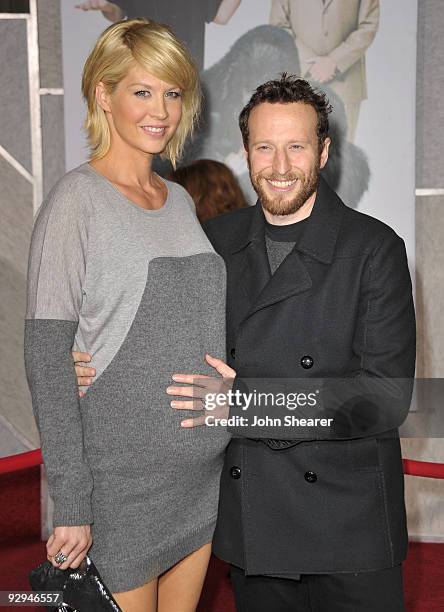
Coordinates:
174 404
178 377
186 423
170 390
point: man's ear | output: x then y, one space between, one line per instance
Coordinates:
324 153
102 97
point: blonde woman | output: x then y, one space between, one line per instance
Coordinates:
120 268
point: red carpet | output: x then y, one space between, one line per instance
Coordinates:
21 549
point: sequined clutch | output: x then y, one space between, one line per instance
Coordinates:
83 588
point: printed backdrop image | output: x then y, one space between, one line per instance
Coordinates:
359 51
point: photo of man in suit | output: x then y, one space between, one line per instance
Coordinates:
332 37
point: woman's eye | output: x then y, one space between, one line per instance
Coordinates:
141 94
173 94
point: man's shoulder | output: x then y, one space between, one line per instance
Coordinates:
363 232
223 230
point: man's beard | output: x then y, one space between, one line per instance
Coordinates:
283 204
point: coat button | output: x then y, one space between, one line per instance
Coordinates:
307 362
233 353
235 472
310 476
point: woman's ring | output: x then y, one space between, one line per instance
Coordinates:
60 558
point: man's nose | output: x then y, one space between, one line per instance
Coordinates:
281 163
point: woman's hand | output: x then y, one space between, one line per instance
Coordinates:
73 541
84 374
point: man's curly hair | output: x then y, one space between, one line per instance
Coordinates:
289 88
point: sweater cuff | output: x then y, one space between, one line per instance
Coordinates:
75 510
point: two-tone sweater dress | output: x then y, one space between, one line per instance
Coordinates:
143 292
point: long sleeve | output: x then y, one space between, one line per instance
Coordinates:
368 400
356 44
280 16
56 273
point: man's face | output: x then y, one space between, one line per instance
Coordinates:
283 155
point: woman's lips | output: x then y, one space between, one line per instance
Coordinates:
154 131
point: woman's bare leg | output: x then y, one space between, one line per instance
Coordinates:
142 599
179 588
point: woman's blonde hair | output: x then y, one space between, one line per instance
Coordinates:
155 48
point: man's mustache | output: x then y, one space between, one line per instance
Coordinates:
292 176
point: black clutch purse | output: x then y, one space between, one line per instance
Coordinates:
83 588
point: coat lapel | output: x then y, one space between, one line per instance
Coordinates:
291 278
252 270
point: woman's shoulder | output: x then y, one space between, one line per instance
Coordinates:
70 195
78 180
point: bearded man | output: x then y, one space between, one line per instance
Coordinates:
315 289
312 519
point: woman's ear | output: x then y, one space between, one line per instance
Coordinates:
102 97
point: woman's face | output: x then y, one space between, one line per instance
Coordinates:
143 112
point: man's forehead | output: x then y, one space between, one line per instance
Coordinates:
283 109
287 118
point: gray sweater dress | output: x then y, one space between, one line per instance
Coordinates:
144 293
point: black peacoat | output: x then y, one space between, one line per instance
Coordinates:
340 305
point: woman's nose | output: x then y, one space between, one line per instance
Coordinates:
158 108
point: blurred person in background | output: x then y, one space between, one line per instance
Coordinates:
213 187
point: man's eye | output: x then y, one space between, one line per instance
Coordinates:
296 147
141 94
263 148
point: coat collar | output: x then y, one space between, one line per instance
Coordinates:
320 234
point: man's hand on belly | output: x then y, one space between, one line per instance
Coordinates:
208 393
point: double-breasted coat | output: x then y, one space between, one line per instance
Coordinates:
340 305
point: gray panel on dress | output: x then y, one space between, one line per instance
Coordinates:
15 130
53 140
429 100
50 43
